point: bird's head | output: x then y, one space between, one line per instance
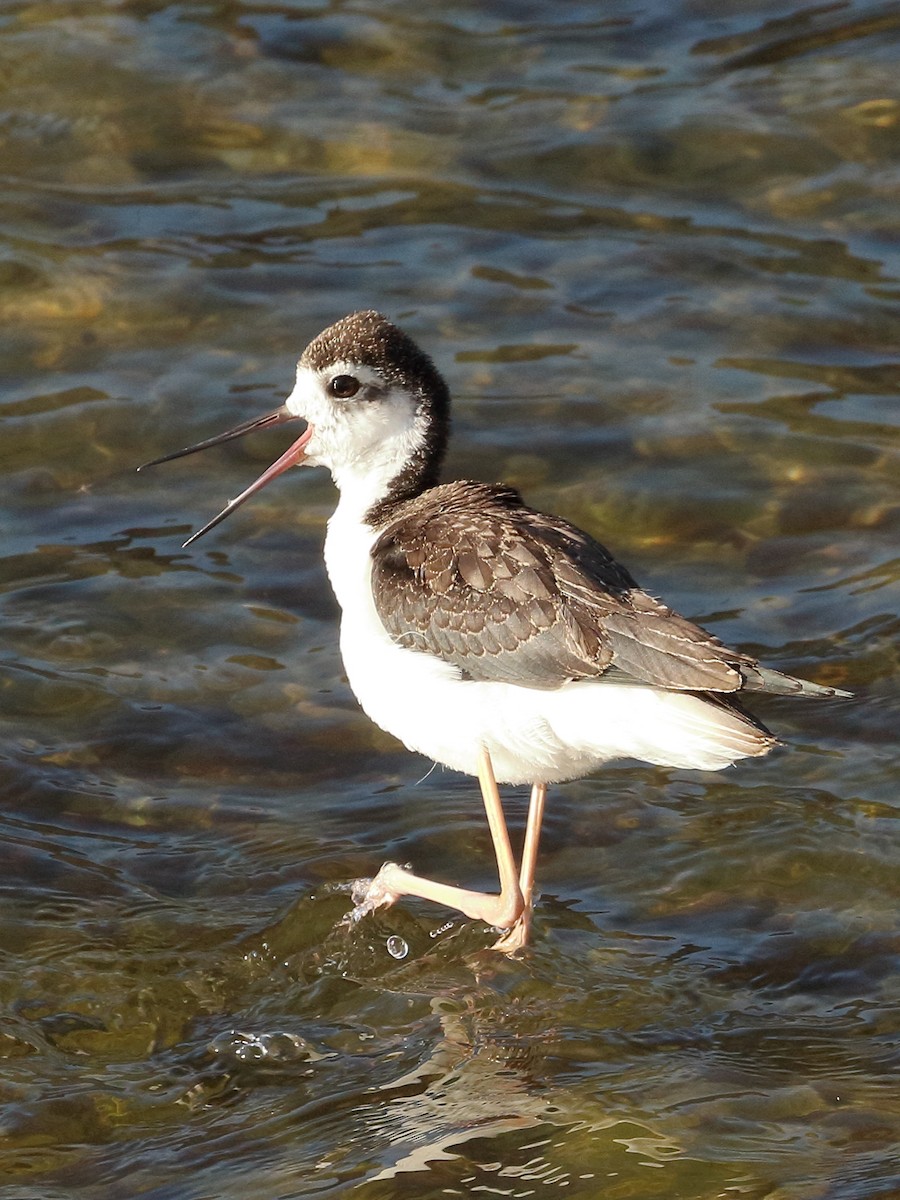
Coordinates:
376 412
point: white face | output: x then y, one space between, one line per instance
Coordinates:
363 429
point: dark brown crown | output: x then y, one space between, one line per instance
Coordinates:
367 339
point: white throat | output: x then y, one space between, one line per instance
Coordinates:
364 443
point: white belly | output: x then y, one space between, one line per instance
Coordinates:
532 735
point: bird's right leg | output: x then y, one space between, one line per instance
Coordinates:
502 910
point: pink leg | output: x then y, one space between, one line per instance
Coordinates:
503 911
516 937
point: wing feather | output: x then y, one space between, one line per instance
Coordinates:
467 573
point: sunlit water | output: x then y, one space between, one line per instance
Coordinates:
653 249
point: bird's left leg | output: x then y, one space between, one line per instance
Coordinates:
503 910
516 937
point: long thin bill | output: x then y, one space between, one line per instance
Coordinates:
278 417
291 457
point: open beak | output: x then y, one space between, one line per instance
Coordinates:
294 454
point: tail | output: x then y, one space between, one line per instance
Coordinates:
764 679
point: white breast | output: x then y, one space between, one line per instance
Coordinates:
532 735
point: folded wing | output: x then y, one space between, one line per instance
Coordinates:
469 574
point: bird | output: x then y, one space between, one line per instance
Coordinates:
497 640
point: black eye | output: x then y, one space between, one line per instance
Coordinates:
343 386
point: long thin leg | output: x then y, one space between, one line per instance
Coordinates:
532 841
516 937
503 910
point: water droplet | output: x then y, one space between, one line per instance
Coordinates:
396 946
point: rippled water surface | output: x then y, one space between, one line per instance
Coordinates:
653 247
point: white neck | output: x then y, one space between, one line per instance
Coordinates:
360 490
350 538
363 480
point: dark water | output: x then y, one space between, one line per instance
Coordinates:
654 249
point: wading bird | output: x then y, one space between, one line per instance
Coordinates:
498 640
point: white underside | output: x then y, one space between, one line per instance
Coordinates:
532 736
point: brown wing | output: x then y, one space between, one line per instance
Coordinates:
467 573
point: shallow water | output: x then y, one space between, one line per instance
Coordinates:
653 249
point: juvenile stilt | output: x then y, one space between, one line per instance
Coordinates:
472 620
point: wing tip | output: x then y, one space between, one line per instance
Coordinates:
776 683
